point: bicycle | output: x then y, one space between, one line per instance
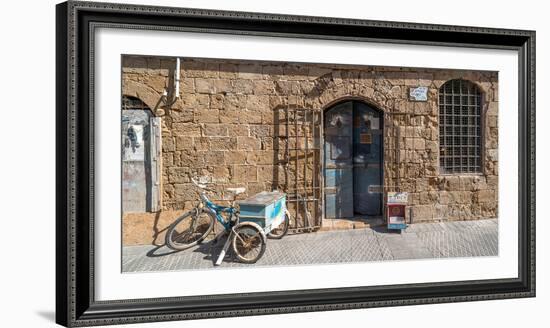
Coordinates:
248 239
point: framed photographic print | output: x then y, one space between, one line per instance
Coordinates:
320 163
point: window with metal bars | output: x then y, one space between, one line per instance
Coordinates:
133 103
460 127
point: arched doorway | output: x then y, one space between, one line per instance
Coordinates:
353 160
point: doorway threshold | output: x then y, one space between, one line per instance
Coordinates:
352 223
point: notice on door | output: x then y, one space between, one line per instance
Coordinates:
375 123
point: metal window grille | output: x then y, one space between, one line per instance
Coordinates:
129 103
297 140
460 127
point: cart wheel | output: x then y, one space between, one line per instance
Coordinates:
248 242
280 231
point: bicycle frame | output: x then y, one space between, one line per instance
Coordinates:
217 210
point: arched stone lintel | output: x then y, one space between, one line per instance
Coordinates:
141 91
336 94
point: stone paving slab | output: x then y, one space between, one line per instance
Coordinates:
418 241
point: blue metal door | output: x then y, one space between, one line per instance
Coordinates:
339 161
367 160
353 160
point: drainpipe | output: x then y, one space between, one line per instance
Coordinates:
177 78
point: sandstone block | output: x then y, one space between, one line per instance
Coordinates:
244 173
231 116
263 87
222 86
432 146
258 157
178 175
185 191
245 87
186 129
257 103
422 212
486 196
194 101
261 130
452 183
220 174
168 144
235 157
187 85
201 143
492 121
182 116
419 144
492 109
190 158
215 130
241 116
167 159
184 142
216 101
248 143
409 143
235 130
266 173
460 197
223 143
234 102
207 116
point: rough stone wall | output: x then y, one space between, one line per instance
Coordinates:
225 125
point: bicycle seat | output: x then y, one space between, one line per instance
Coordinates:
236 191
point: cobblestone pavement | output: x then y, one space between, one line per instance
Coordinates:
418 241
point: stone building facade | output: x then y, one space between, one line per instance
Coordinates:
230 122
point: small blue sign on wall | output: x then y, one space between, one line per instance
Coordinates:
418 94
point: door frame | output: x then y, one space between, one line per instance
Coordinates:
153 198
328 106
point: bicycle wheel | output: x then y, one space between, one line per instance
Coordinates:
248 242
280 231
189 229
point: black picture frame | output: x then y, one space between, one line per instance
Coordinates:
75 302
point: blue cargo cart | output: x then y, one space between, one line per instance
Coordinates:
266 209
